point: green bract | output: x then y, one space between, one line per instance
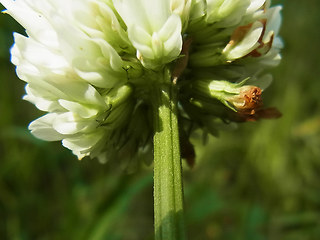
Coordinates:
91 66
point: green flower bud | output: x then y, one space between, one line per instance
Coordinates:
236 96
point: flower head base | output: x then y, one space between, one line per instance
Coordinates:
92 65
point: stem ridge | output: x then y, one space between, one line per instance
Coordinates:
168 189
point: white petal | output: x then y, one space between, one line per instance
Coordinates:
226 12
197 9
93 59
247 44
141 40
36 24
274 20
43 104
80 109
42 128
255 5
38 54
70 123
148 14
155 32
177 6
84 143
170 34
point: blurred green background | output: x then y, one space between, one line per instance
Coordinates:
259 182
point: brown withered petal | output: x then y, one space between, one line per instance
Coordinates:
182 62
187 149
263 113
239 34
252 98
263 47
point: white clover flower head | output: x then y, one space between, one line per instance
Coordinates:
91 65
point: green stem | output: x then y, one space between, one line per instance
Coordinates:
168 189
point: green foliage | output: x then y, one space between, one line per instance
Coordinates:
258 182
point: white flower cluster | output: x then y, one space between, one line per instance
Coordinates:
90 64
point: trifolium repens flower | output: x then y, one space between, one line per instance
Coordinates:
91 66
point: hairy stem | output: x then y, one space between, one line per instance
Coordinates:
168 189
